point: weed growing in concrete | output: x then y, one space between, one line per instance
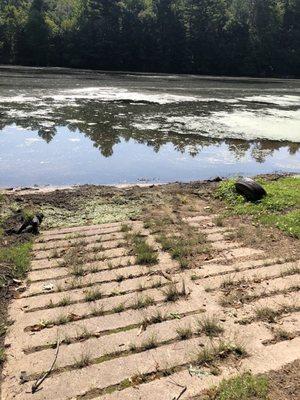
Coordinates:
92 295
210 326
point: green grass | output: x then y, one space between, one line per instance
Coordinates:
144 253
18 257
210 355
280 208
182 249
242 387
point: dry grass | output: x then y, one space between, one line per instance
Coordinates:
83 361
150 343
173 293
92 295
142 302
184 332
210 326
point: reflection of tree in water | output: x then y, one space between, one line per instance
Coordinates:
107 124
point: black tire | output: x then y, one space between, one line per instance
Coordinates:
251 190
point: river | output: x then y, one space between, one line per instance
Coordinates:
63 127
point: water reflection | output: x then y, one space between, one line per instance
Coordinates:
106 125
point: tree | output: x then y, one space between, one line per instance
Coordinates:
36 34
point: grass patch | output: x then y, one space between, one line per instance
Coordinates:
266 314
18 257
182 249
210 326
150 343
280 335
209 355
119 308
280 208
65 301
143 301
92 295
156 318
83 361
144 253
77 270
184 332
172 293
242 387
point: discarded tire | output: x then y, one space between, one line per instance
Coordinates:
251 190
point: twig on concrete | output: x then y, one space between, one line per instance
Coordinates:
180 394
40 380
184 389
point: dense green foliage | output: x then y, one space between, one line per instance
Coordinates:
281 206
250 37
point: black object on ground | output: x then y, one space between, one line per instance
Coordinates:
28 226
251 190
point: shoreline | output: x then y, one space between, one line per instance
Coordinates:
49 188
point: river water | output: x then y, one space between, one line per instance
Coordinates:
61 127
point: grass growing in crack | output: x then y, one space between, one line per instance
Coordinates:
142 301
145 254
65 301
132 347
156 318
77 270
241 387
229 300
119 308
266 314
150 343
92 295
184 332
172 293
110 265
210 326
62 320
280 208
293 270
182 248
156 284
84 334
97 311
83 361
280 335
209 355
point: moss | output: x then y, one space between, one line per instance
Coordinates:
92 211
280 208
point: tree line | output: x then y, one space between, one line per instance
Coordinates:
227 37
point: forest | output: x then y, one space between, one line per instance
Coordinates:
224 37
